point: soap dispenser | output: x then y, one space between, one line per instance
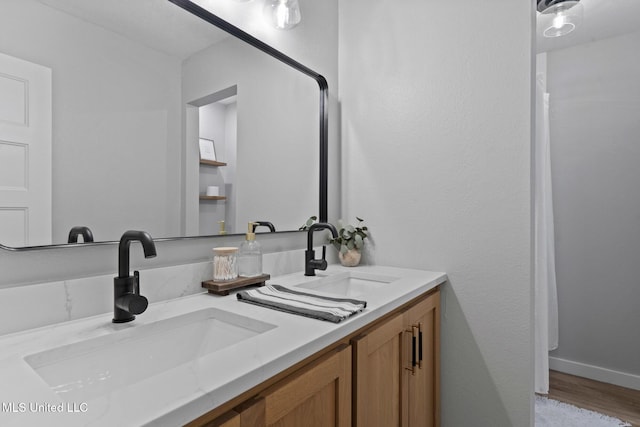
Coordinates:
222 231
250 255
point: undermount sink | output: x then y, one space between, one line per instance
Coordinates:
348 284
98 366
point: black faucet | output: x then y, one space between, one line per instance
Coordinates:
310 263
257 224
80 230
127 301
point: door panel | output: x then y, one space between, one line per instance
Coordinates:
317 411
25 153
379 370
319 395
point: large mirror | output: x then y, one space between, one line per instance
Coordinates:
108 107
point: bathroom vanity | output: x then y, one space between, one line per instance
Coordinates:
385 374
206 360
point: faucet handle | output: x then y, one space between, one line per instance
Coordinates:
321 264
136 282
129 302
132 303
137 303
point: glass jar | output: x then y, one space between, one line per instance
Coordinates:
225 265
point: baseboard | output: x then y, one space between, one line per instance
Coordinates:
596 373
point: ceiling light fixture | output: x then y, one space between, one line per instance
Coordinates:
282 14
565 16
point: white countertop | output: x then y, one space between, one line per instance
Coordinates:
181 394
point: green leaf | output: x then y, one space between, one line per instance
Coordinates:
344 249
350 229
359 219
359 242
350 244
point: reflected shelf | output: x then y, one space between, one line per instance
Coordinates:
212 163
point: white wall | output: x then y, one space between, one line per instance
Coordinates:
436 135
109 95
595 134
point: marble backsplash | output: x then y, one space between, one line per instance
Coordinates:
32 306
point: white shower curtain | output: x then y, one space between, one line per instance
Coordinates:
546 298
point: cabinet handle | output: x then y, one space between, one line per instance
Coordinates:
420 345
413 351
412 364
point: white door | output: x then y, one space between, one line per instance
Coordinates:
25 153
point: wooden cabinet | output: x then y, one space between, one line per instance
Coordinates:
397 369
319 395
395 380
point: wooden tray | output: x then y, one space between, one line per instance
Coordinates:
223 288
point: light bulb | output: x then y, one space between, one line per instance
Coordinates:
559 21
566 16
282 14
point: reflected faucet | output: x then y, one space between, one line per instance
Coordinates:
127 301
80 230
257 224
310 263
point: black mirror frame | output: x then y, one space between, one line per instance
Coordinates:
322 83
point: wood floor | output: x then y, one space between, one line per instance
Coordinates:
615 401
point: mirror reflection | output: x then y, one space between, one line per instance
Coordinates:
103 109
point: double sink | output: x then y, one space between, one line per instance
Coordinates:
96 367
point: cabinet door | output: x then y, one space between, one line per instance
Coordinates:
317 396
397 366
379 388
424 381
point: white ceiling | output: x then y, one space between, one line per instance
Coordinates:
165 27
158 24
602 19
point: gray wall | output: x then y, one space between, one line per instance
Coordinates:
595 151
109 96
436 103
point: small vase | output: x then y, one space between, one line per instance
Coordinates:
351 258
